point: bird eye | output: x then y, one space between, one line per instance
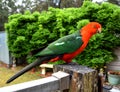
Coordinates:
94 26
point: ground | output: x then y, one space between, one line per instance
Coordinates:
6 73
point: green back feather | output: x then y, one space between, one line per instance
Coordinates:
66 44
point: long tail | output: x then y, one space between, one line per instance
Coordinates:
27 68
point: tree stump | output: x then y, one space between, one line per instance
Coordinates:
83 79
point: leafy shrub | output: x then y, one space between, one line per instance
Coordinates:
28 32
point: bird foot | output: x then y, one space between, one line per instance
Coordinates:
73 63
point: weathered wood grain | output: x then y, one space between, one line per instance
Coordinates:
83 79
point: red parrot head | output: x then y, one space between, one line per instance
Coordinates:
93 28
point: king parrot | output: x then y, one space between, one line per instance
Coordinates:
65 48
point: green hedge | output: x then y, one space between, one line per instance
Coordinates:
27 32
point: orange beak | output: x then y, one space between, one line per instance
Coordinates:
99 30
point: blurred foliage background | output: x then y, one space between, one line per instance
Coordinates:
35 28
8 7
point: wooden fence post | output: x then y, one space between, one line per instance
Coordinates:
83 79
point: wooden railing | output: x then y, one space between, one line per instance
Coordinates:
66 78
58 81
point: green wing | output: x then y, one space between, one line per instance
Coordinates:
66 44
